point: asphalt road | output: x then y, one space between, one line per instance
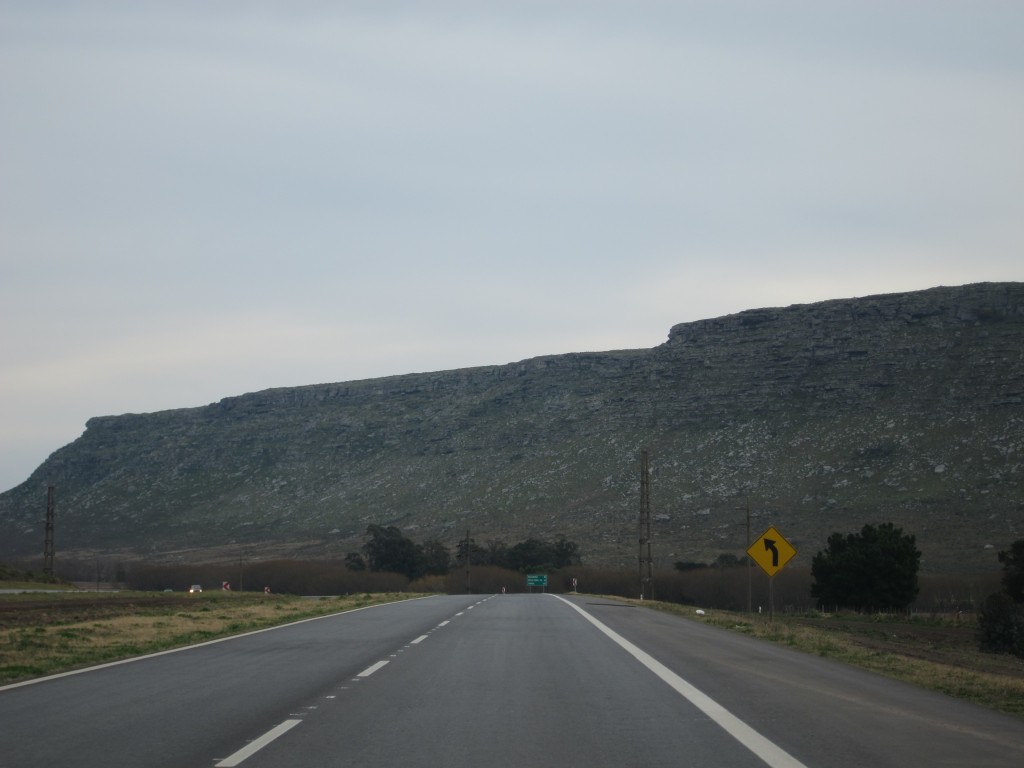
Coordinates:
505 680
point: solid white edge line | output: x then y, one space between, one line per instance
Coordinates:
370 670
768 751
196 645
255 746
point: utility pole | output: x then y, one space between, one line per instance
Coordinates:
469 589
646 561
51 504
750 565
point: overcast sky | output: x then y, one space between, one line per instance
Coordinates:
202 199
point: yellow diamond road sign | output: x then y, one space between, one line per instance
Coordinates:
771 551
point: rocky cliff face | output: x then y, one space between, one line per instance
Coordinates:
821 417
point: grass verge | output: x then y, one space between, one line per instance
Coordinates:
937 653
43 634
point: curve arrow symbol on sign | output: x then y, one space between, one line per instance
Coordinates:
769 546
771 551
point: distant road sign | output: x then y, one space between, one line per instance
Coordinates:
771 551
536 580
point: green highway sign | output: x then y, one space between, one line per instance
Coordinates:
536 580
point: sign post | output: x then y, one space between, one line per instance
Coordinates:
536 580
771 552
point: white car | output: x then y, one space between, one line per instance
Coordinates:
195 588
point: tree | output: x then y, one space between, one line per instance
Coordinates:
477 554
497 554
1013 571
728 560
871 570
1001 618
1001 625
531 555
565 553
389 550
434 557
536 555
724 560
355 562
689 565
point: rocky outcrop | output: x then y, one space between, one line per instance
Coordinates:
821 417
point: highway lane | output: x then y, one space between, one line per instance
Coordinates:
825 712
500 680
183 708
528 680
516 680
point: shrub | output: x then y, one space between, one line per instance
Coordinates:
1001 625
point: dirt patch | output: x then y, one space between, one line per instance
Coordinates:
64 609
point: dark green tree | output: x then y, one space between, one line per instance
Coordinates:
389 550
497 554
1001 618
1001 625
565 553
531 555
477 554
872 570
689 565
537 555
434 558
728 560
1013 571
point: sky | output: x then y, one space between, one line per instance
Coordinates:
199 200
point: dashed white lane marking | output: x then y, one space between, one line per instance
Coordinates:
371 669
255 746
191 647
768 751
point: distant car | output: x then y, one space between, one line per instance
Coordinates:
195 588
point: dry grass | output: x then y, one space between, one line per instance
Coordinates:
46 635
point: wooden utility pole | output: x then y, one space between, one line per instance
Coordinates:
750 565
51 504
646 561
469 589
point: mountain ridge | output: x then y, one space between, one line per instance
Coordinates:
821 417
